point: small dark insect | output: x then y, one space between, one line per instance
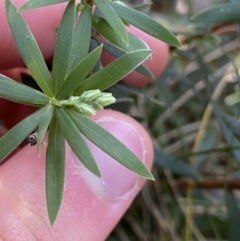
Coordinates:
32 139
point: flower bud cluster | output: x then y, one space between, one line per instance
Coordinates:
89 101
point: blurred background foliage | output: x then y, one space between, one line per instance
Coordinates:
191 112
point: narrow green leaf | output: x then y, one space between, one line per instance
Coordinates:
114 72
176 166
93 45
43 125
229 137
142 7
109 144
30 4
133 46
233 124
221 13
14 91
207 143
18 133
75 140
234 216
145 23
55 170
142 69
28 48
82 36
113 19
116 52
227 133
63 46
81 71
135 43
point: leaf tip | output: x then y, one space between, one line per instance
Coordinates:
146 173
39 150
7 3
174 41
177 43
97 173
101 46
150 176
52 219
193 18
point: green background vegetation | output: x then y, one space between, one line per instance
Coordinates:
186 111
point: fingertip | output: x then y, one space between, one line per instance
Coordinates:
83 214
43 23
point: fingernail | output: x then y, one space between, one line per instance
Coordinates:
117 182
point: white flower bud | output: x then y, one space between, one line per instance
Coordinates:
89 95
85 109
105 99
73 98
70 101
96 106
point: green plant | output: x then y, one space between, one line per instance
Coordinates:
196 192
73 91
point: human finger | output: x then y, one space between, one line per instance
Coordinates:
91 206
44 21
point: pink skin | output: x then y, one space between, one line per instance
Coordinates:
91 206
